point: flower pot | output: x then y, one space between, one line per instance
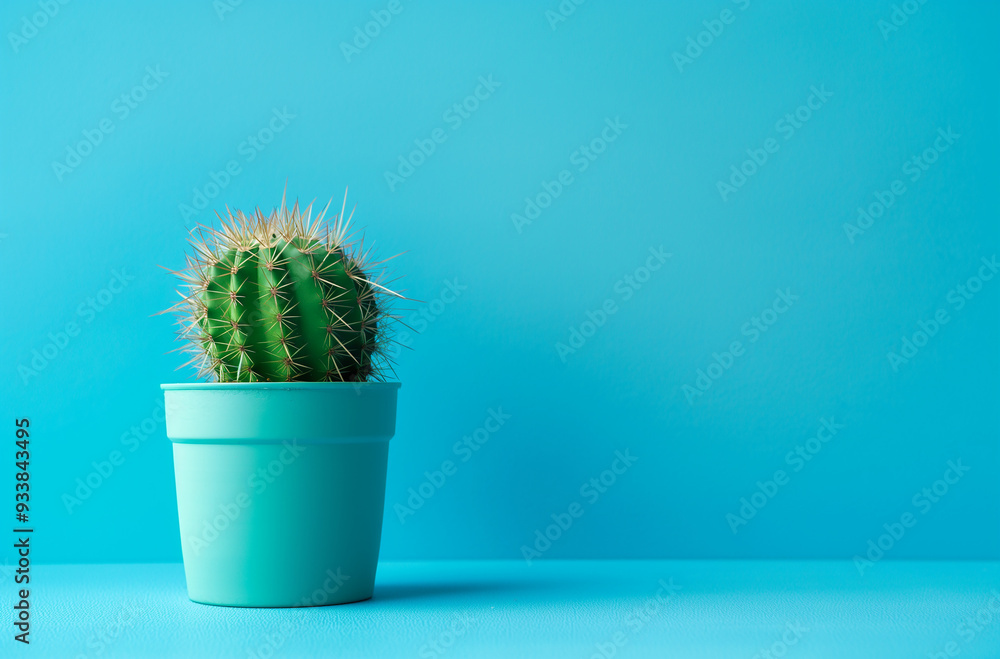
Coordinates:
280 488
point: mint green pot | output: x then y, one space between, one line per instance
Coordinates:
280 489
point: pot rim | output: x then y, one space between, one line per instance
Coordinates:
287 386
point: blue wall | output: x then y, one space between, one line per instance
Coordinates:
647 242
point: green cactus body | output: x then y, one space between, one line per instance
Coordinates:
280 298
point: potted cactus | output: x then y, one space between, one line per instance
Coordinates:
280 459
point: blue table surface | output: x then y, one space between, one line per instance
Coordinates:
688 608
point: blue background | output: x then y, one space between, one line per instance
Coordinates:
495 345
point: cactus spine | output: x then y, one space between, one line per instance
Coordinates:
283 297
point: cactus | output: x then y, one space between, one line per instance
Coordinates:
284 297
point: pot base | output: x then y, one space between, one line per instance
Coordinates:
276 606
280 490
280 525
